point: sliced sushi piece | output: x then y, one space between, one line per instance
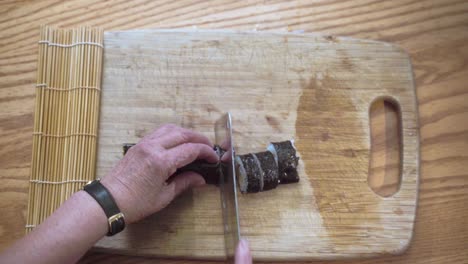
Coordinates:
269 170
249 173
257 172
285 155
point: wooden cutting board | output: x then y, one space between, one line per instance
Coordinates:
315 89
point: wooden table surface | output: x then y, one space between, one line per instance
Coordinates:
434 33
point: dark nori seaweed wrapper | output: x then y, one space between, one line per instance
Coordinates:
253 172
126 147
269 168
287 161
209 171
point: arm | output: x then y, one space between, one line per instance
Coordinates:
139 186
64 237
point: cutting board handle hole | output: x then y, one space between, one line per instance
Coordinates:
386 146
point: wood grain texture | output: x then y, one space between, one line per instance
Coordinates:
434 33
317 90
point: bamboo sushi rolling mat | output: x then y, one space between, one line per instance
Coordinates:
65 118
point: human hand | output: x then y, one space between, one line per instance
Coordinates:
138 182
243 255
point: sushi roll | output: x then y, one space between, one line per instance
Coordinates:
257 172
209 171
269 170
285 155
249 173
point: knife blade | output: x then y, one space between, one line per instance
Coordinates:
227 185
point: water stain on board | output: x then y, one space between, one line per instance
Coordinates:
336 161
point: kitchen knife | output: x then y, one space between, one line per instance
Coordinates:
227 184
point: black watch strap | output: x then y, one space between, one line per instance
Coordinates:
115 218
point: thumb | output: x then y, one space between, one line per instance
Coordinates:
243 255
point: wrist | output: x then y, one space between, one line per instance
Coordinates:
92 212
118 192
102 195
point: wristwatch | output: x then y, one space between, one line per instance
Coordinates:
115 217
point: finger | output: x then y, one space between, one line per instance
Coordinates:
160 131
179 184
179 136
227 156
187 153
243 255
